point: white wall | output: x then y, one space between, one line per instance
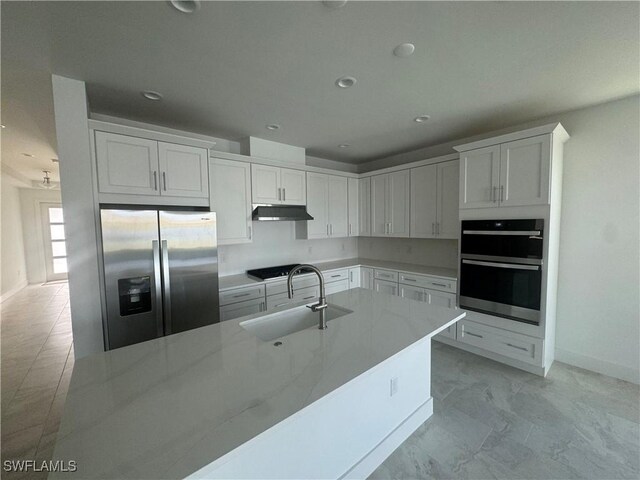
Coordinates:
274 243
598 314
31 200
13 269
419 251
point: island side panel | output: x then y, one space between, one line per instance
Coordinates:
348 432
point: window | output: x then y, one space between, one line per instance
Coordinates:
54 237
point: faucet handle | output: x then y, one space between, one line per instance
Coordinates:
316 307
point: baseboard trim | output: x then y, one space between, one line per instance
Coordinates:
604 367
367 465
13 291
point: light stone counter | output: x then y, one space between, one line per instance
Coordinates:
168 407
243 280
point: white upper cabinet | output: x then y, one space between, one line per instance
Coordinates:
183 170
424 199
390 204
479 177
231 199
364 206
327 204
127 164
448 218
278 186
511 174
354 207
139 166
524 171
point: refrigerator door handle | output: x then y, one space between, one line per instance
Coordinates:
166 283
157 279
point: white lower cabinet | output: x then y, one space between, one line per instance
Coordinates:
384 286
441 299
503 342
366 278
241 309
354 277
335 287
308 294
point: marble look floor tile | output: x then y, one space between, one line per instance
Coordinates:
21 444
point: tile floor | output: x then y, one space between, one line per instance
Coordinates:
493 421
490 420
36 360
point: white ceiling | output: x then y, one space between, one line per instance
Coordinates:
233 67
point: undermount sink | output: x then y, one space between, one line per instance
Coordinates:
277 325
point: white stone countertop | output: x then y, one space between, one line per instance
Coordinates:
243 280
167 407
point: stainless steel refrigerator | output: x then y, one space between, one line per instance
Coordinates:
160 273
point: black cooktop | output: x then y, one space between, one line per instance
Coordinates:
274 272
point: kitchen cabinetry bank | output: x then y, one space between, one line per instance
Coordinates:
217 402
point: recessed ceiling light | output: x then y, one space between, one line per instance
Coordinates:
346 82
185 6
334 3
30 155
344 145
151 95
3 126
421 118
55 160
273 126
404 50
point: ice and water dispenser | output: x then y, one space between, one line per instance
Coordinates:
135 295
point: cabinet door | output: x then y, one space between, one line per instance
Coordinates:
127 164
294 187
382 286
265 184
317 205
354 277
338 210
364 206
231 194
366 278
413 293
424 199
441 299
479 177
354 201
524 171
448 221
398 203
183 170
241 309
379 225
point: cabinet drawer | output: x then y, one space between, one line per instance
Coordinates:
309 294
336 275
503 342
241 294
425 281
299 282
388 275
242 309
335 287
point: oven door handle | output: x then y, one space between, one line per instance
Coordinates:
521 233
502 265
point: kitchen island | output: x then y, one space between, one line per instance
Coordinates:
219 402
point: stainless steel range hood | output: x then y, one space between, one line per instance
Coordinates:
280 213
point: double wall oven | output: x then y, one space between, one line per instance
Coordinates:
501 268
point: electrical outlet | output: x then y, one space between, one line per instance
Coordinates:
393 386
310 250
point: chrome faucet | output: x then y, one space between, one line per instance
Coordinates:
319 307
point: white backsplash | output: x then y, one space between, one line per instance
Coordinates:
274 243
420 251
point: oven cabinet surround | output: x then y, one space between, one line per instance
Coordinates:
515 176
434 201
158 171
278 186
231 198
217 402
327 203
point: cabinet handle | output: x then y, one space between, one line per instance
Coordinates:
164 180
390 227
249 231
281 305
242 295
310 296
351 276
440 284
474 334
494 197
409 279
519 348
502 193
155 180
284 194
331 229
335 276
437 228
279 194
